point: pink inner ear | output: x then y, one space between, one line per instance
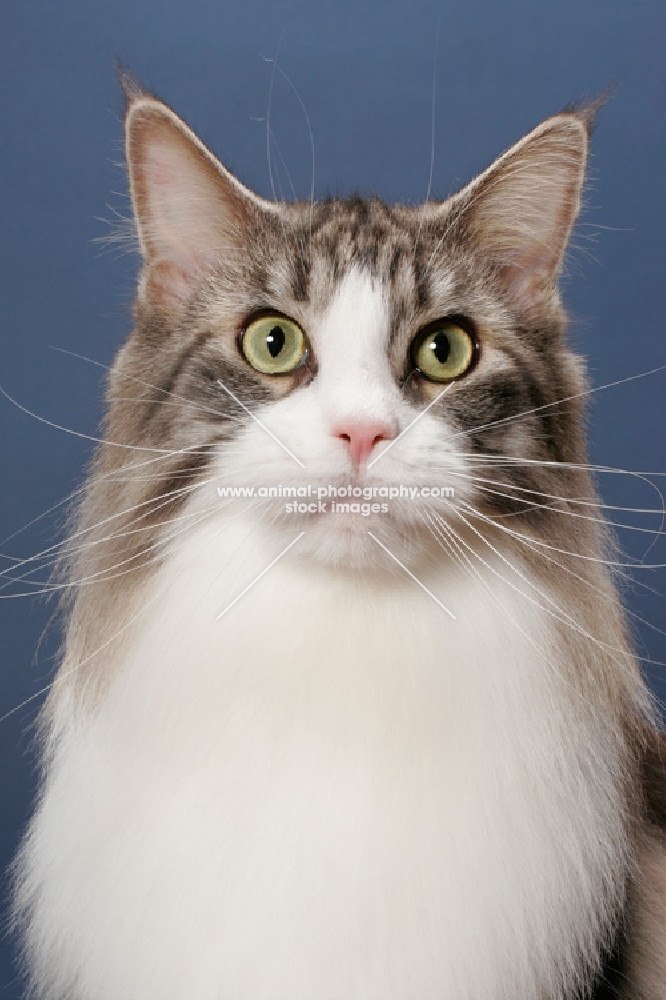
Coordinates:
526 286
536 248
168 285
161 171
181 210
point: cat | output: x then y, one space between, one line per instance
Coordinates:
295 752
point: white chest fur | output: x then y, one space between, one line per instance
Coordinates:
335 791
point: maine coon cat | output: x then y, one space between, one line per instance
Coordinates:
304 754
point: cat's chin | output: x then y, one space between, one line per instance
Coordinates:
353 541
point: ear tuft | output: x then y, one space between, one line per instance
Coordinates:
588 110
129 84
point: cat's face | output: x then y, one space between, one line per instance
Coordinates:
348 343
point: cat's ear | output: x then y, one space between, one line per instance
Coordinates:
520 211
191 213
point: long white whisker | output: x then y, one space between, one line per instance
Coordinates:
510 617
148 385
582 501
109 572
432 131
570 572
558 612
487 459
98 524
80 434
71 551
62 675
558 402
555 510
269 135
310 133
577 555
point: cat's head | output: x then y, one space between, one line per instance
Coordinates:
348 342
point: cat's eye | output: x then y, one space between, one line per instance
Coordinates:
273 344
443 351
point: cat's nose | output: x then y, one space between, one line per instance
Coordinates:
361 437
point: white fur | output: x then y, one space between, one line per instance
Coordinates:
334 791
356 381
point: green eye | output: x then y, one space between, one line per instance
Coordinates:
273 345
443 351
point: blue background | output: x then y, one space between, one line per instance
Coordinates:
365 73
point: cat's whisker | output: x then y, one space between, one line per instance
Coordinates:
78 492
473 512
91 437
558 402
148 555
117 476
269 133
151 505
67 552
643 477
149 385
156 549
432 133
554 611
300 243
64 553
591 501
438 525
98 524
141 400
114 475
62 675
578 555
487 458
285 168
557 612
268 116
556 510
608 598
583 501
291 84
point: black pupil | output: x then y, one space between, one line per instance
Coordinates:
275 341
441 347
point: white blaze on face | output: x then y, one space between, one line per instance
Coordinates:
355 382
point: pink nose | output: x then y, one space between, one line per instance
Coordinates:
361 438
